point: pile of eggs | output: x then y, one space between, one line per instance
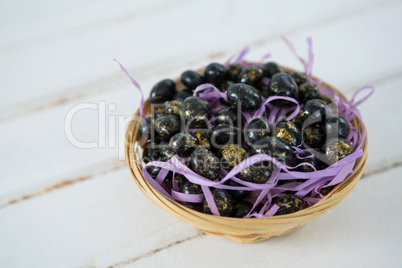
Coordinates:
185 125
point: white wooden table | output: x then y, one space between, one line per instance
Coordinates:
63 206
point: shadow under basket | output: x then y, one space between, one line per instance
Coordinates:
240 230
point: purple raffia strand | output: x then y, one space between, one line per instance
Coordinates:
241 55
266 56
137 85
308 65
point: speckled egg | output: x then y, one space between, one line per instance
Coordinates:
237 194
264 90
314 136
173 107
258 173
271 68
314 111
158 110
227 116
231 155
248 97
180 180
336 149
225 86
222 135
274 147
182 94
223 201
337 126
153 171
147 128
196 111
165 151
327 99
241 209
289 204
203 138
205 163
282 84
251 75
191 79
288 132
190 188
313 161
257 129
150 152
299 77
215 73
183 143
233 71
167 126
162 91
308 91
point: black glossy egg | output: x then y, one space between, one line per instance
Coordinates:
227 116
182 94
251 75
158 110
190 188
289 204
257 129
299 77
203 138
150 152
205 163
173 107
314 136
282 84
167 126
241 209
215 73
271 68
231 155
264 90
222 135
162 91
165 151
337 126
183 143
311 160
223 201
225 86
258 173
314 111
336 149
288 132
237 194
147 128
248 97
153 171
327 99
180 180
191 79
233 71
308 91
274 147
196 111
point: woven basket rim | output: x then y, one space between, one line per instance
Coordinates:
201 220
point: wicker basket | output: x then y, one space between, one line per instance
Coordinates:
241 230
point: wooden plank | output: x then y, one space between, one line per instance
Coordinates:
106 221
363 230
51 158
71 64
97 223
